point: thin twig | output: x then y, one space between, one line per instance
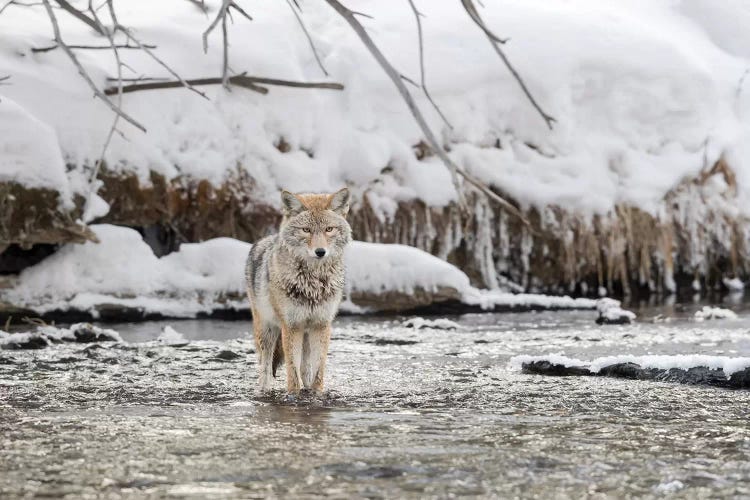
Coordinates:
395 77
97 166
241 80
233 5
83 73
91 47
130 36
219 16
225 54
496 41
3 78
79 15
200 5
307 34
417 16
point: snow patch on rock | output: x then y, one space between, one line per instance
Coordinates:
709 312
610 313
437 324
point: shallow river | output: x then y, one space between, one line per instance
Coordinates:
408 413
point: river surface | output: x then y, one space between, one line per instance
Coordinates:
407 413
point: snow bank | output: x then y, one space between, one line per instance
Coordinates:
377 268
666 362
641 92
29 152
122 271
714 313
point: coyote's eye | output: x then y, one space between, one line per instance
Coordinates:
330 229
306 229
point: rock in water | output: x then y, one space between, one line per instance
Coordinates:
610 313
228 355
85 333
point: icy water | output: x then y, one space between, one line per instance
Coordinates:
409 413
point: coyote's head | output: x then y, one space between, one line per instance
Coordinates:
314 225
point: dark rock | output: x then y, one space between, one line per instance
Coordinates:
543 367
228 355
33 342
697 375
619 320
740 379
86 333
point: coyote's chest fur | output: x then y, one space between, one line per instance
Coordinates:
309 286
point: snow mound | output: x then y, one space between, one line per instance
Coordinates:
709 312
727 364
734 284
170 336
377 268
610 313
47 334
437 324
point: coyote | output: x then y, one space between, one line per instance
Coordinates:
295 280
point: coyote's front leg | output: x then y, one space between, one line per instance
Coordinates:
291 341
319 340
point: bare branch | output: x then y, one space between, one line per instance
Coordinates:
395 77
225 55
79 15
417 16
200 4
82 71
97 166
219 16
307 34
3 78
130 36
233 5
90 47
409 80
496 41
241 80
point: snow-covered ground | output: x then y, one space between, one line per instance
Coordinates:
644 94
122 270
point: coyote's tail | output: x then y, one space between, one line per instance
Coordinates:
278 356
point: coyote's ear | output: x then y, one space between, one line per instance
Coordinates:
290 204
340 202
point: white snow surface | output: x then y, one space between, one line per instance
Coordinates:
641 91
708 312
207 276
729 365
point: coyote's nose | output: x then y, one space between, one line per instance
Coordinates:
320 252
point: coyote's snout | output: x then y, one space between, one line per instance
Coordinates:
294 281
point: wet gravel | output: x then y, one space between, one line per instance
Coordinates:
408 413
